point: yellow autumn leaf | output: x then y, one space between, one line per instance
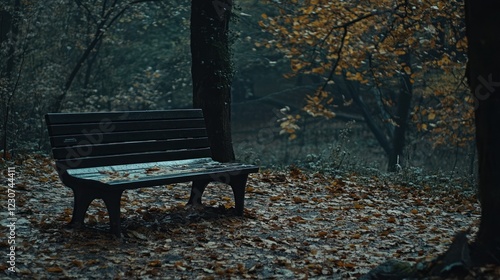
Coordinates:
155 263
55 269
318 70
431 116
322 234
407 70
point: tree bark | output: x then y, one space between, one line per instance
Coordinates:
9 26
402 113
369 119
483 73
211 72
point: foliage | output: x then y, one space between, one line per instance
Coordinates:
138 62
134 47
378 44
446 112
142 62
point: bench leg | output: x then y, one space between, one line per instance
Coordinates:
197 190
82 200
238 184
112 200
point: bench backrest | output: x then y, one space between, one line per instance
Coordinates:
81 140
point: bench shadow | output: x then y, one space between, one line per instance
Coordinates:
142 226
168 222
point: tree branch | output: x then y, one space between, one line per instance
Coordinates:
100 30
339 52
379 135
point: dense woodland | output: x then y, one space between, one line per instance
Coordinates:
397 97
285 88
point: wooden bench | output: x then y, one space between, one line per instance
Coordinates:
99 155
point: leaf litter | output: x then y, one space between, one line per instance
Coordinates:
297 225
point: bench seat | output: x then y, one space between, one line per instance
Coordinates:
131 176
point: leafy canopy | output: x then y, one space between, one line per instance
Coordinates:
376 43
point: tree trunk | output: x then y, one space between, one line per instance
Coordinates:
483 73
402 112
9 27
211 72
369 119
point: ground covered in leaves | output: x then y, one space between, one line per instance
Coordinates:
297 225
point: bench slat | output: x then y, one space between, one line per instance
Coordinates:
146 180
138 166
68 118
121 126
153 169
102 138
135 147
178 178
132 158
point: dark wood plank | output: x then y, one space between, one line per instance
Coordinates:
122 126
155 169
129 147
67 118
137 167
131 158
123 178
178 178
117 137
218 174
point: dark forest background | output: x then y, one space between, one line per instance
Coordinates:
116 55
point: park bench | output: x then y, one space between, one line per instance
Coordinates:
100 155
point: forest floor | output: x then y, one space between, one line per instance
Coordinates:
297 225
